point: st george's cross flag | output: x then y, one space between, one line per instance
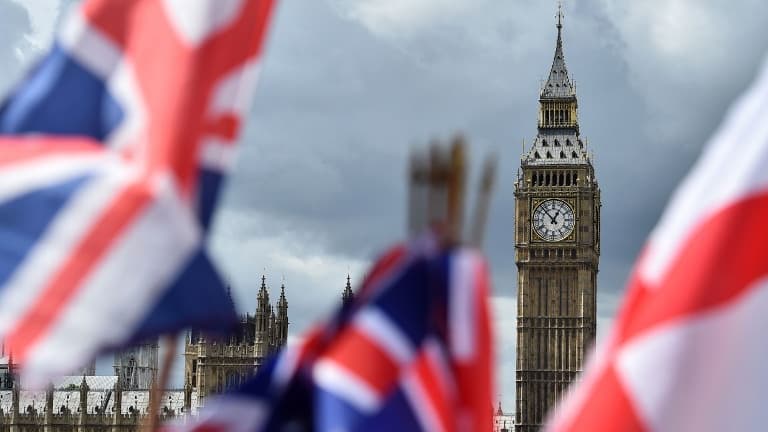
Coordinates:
112 152
688 351
413 352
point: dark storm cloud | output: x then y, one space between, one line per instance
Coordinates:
339 107
348 87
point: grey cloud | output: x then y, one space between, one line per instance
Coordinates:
319 187
340 104
15 34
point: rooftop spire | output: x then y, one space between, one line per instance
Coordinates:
558 140
282 303
347 295
263 294
559 83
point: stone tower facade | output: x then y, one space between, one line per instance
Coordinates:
136 366
212 366
557 247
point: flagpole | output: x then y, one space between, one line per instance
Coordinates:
160 383
456 191
418 194
480 215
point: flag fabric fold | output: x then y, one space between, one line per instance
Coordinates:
112 151
686 351
411 353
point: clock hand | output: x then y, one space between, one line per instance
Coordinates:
551 219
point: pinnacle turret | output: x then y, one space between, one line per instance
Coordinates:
281 321
263 289
262 307
347 295
282 303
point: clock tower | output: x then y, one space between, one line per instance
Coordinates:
557 246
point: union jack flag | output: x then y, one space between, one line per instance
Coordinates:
411 353
112 153
687 352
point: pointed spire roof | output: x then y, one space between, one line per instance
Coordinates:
347 295
263 292
282 302
559 84
558 142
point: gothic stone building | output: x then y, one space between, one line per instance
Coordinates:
212 366
120 402
557 246
85 404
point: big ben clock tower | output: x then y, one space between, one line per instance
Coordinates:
557 246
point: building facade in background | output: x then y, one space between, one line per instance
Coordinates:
136 366
503 422
120 402
557 247
212 366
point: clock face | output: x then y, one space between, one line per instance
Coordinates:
553 220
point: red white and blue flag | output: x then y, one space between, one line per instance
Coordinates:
413 352
688 351
112 153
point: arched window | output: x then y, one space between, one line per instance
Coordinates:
544 143
562 155
557 143
549 155
536 155
568 143
574 155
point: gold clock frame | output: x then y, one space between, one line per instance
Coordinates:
570 202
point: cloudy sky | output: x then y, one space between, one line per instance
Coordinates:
350 86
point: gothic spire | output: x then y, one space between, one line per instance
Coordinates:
281 321
347 295
282 303
263 290
262 306
558 140
559 84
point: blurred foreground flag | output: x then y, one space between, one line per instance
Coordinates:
688 350
111 156
411 353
